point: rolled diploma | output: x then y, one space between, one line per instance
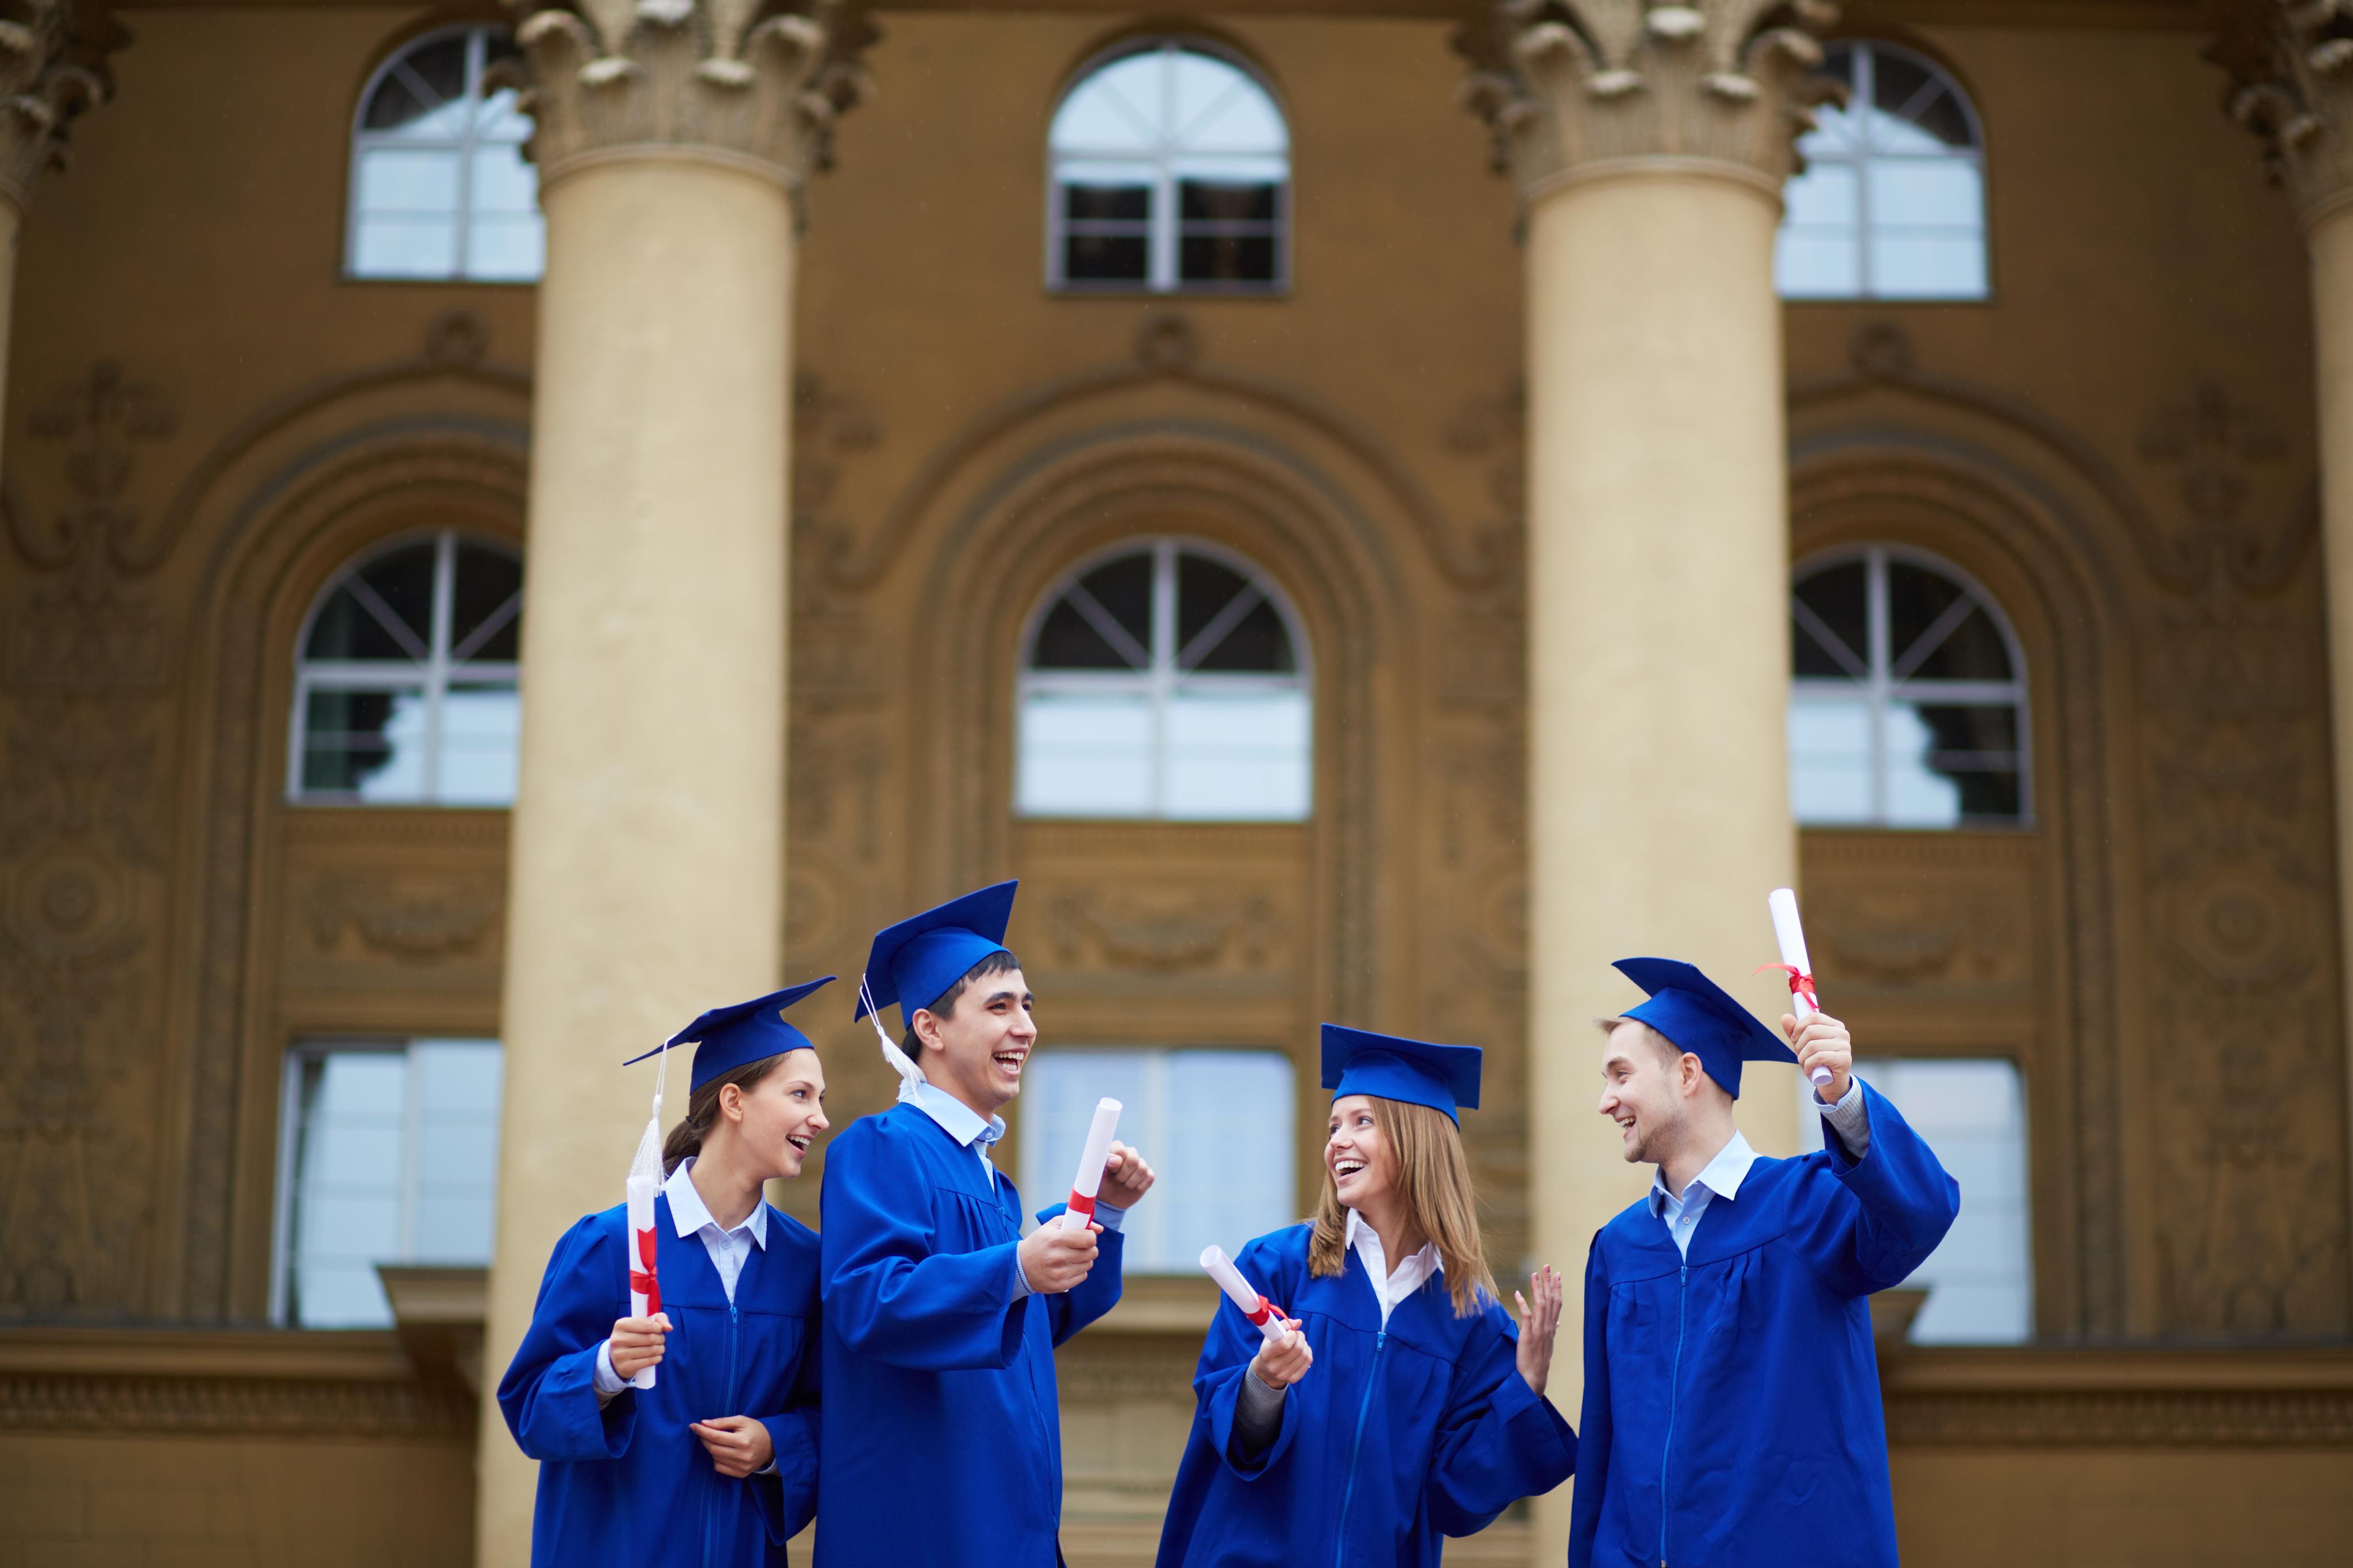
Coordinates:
1255 1307
1783 903
1089 1181
641 1231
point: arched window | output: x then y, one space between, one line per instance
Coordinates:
1892 204
1907 703
405 689
1170 170
439 187
1169 681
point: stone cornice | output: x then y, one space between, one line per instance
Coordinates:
748 84
2120 1398
50 70
2291 63
1572 85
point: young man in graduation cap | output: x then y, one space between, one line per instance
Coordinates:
942 1431
1732 1409
715 1461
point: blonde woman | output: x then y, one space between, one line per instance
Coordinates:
1400 1404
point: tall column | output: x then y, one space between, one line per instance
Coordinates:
1649 143
646 870
2294 69
47 75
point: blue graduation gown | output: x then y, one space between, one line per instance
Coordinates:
628 1485
1732 1412
1394 1438
939 1383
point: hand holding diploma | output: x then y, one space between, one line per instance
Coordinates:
1055 1259
1804 1002
1092 1159
1284 1358
638 1345
1825 1053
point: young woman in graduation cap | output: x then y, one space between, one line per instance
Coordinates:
1401 1405
716 1462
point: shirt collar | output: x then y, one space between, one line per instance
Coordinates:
960 1121
1361 1234
1720 1176
690 1214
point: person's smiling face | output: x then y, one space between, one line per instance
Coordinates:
984 1042
785 1111
1363 1166
1640 1092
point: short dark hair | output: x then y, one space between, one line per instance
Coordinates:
999 963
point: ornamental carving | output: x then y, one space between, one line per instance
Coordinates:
2291 62
52 67
415 928
1161 936
761 84
1569 85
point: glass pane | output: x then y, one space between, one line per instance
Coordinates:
404 248
1943 118
402 181
1971 651
1068 640
393 104
337 1296
1916 597
1259 643
1829 756
425 77
1058 1090
1928 266
487 582
1238 756
1896 80
1093 195
1918 793
1816 264
1217 106
482 724
1824 196
506 248
1838 595
1943 193
366 744
403 579
1204 589
1233 1175
1106 258
502 182
1227 258
1117 109
1974 727
1085 755
498 119
347 630
1123 589
1227 201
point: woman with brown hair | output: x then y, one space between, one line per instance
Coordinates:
688 1436
1398 1404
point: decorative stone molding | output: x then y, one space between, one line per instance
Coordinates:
52 69
755 86
1575 89
1939 1396
415 928
2292 70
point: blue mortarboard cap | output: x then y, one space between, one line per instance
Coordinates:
736 1036
1699 1017
1440 1076
915 962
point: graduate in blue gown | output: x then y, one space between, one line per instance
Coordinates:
1732 1411
715 1465
942 1431
1401 1406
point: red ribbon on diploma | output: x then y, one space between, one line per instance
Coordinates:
643 1282
1084 1208
1266 1310
1801 984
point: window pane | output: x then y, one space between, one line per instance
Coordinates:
1829 756
502 182
487 583
1258 642
1117 109
1122 196
404 248
426 76
369 744
1974 650
1216 200
480 733
1928 267
1918 795
347 629
1227 258
1840 598
507 248
1238 756
1123 588
1204 590
1825 197
1219 107
498 119
1816 264
1106 258
1947 192
1068 640
1085 755
394 181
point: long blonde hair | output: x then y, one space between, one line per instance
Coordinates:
1433 1176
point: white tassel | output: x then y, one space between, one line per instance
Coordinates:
910 1075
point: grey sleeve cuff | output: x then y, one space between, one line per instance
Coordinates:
1258 1417
1109 1217
1020 1280
608 1382
1848 1118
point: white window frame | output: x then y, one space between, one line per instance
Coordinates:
1865 51
1163 679
477 35
1165 222
1882 685
429 675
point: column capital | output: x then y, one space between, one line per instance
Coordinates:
752 85
2291 65
1577 89
52 67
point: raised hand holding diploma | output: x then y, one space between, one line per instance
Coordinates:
1091 1159
1283 1358
1804 1002
1825 1053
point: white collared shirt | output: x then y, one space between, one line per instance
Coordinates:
1722 1176
729 1250
1390 1288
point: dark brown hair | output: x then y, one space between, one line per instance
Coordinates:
999 963
703 1109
